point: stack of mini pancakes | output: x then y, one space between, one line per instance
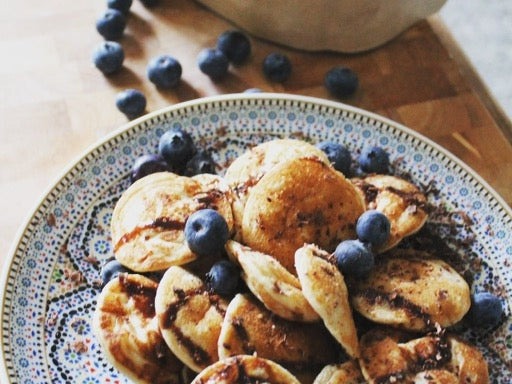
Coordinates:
287 209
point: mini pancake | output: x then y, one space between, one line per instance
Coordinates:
394 355
246 170
249 328
245 369
300 201
272 284
343 373
190 317
401 201
126 326
412 293
149 218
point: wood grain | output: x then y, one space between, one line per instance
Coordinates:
54 103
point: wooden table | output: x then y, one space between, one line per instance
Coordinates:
55 103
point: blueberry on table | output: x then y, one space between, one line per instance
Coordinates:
147 164
206 232
111 24
338 155
108 57
373 227
200 163
131 102
224 278
213 63
235 45
164 71
277 67
177 147
374 160
111 269
341 81
354 258
121 5
486 310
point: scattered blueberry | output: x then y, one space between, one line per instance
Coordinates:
235 45
164 71
486 310
200 163
341 81
131 102
177 147
108 57
374 160
147 164
338 155
121 5
206 232
111 269
213 63
277 67
373 227
354 258
111 24
224 278
253 90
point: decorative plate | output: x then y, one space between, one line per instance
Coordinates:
49 284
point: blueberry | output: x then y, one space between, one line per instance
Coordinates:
277 67
200 163
374 160
147 164
253 90
121 5
338 155
164 71
108 57
373 227
213 63
149 3
111 269
235 45
486 310
224 278
354 258
206 232
341 81
131 102
111 24
177 147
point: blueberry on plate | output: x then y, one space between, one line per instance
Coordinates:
206 232
374 159
111 24
213 63
373 227
111 269
354 258
224 278
108 57
131 102
164 71
253 90
235 45
200 163
341 81
177 147
147 164
121 5
338 155
486 310
277 67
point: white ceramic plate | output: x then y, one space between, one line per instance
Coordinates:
48 287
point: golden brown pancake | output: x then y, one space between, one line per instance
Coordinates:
300 201
149 218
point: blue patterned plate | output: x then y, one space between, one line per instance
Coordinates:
49 283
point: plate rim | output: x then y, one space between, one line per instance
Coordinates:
231 97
